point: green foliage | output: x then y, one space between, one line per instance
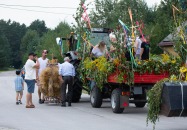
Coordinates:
48 41
109 11
4 52
154 101
30 42
38 26
13 32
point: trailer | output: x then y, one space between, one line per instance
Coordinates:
121 94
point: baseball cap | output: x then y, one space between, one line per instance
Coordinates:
32 53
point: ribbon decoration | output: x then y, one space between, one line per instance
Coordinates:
133 27
126 29
181 31
131 51
123 25
139 29
85 16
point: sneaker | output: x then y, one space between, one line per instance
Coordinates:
43 100
17 103
40 101
20 102
63 105
69 104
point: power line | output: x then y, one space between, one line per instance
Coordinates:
34 10
38 6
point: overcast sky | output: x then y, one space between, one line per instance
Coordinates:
52 17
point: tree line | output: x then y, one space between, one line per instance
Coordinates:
17 40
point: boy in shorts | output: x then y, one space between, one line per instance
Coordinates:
19 86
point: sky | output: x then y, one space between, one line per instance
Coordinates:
53 16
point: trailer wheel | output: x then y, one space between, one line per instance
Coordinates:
140 97
96 97
115 101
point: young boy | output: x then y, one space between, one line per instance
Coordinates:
19 86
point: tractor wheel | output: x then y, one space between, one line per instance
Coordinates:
140 97
77 85
96 97
115 101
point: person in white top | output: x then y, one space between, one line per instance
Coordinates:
43 64
67 73
137 48
99 50
30 78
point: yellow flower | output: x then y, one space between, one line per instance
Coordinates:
173 78
139 62
116 62
165 57
173 61
183 70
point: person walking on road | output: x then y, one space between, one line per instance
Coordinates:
43 64
30 78
66 73
19 86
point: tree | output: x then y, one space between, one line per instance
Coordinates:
38 26
48 41
13 32
4 52
29 43
109 11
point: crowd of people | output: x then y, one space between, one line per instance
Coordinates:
33 68
66 71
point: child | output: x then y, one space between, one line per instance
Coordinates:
19 86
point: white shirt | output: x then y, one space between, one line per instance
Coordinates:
139 42
30 71
43 64
97 52
66 69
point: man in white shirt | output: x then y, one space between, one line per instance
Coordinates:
43 64
30 78
67 73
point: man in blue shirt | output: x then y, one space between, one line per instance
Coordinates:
67 73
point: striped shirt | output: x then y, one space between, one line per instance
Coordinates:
18 83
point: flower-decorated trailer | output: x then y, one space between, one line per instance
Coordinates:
117 78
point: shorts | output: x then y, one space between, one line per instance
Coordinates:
30 85
20 92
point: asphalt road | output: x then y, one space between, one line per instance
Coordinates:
81 116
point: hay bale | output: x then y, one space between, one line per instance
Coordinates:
49 82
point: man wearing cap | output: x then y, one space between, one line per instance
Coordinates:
67 73
30 78
43 64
